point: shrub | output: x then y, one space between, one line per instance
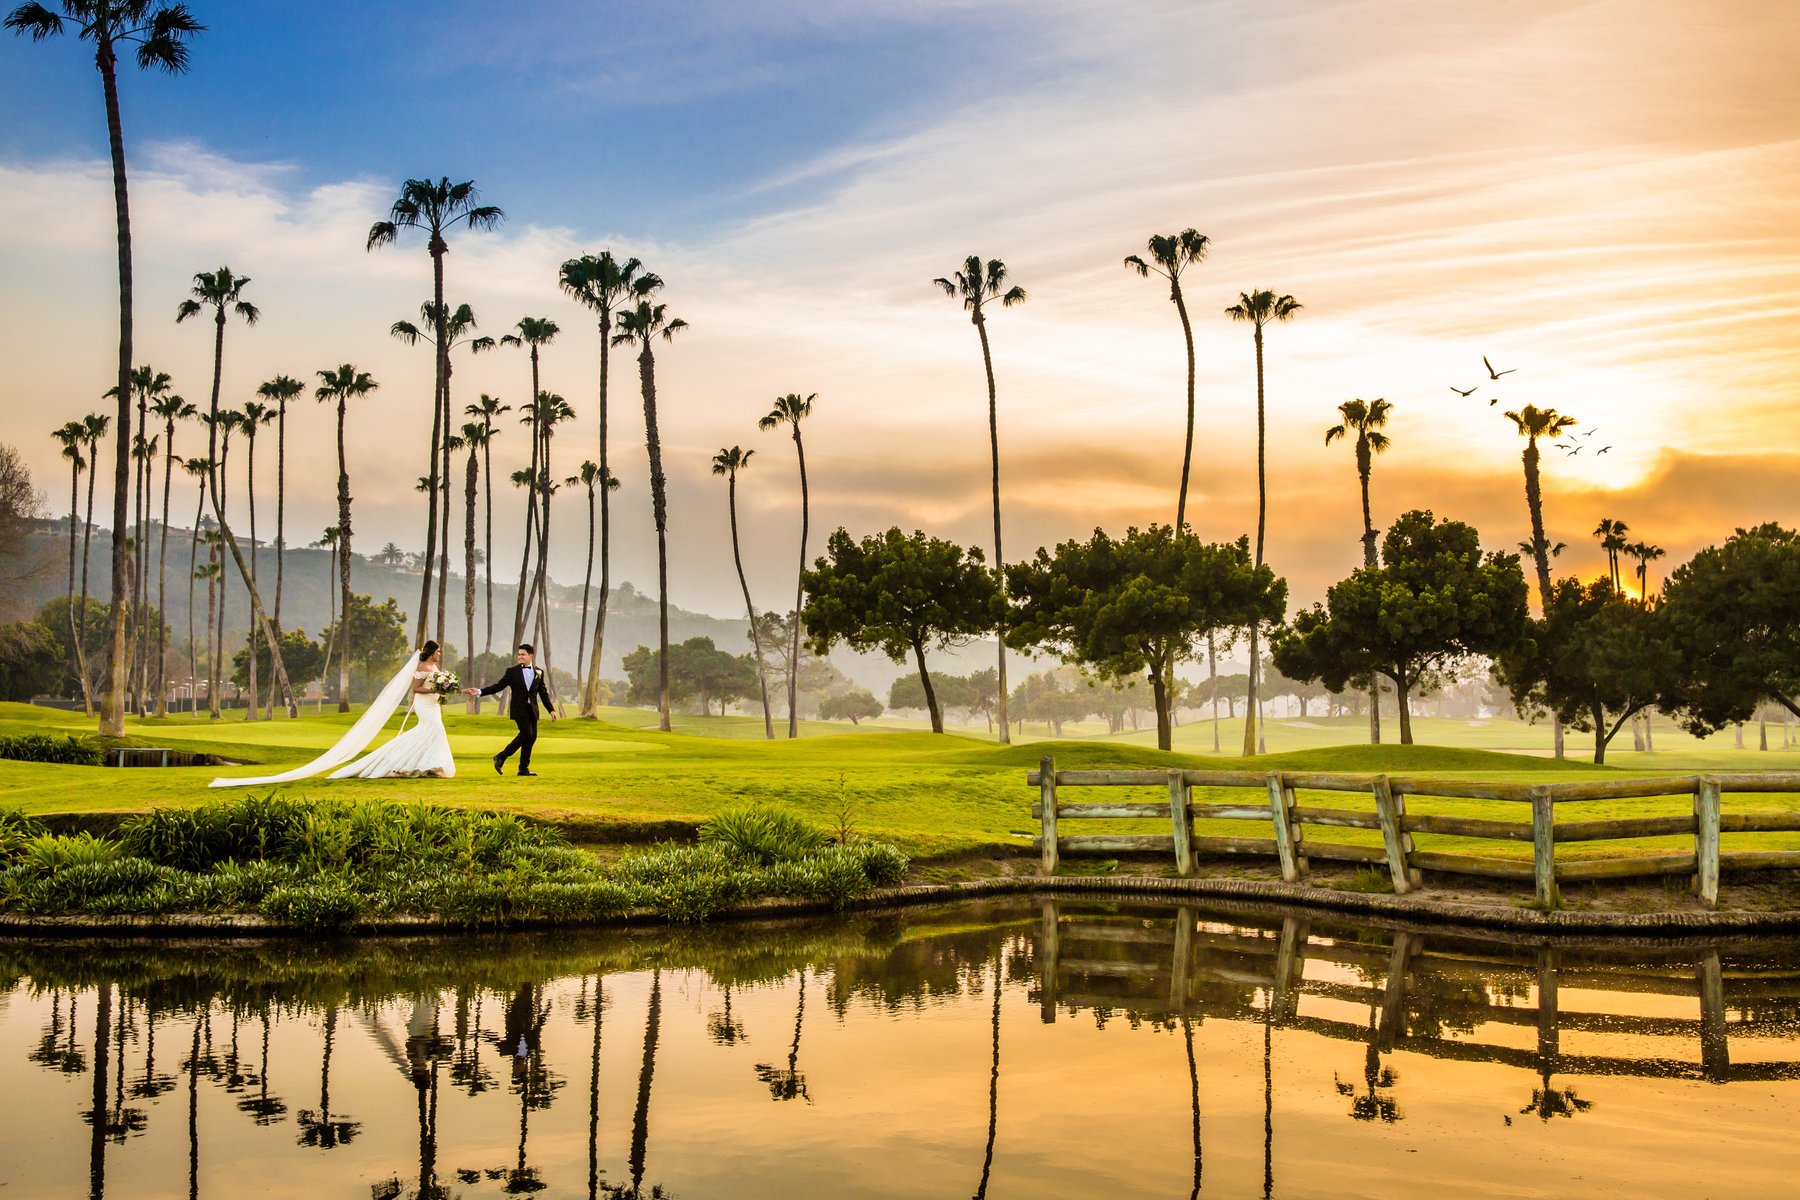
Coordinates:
41 747
884 865
325 904
15 830
48 853
759 834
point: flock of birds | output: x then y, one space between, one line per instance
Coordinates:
1575 445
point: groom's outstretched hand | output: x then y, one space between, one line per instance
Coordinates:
471 691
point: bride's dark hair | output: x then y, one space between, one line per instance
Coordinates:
427 650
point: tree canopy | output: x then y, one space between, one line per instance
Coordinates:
1136 605
1435 598
1733 618
854 706
698 671
898 593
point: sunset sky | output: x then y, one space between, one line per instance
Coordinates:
1605 196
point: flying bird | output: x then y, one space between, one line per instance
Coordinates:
1602 450
1493 374
1493 400
1573 452
1462 393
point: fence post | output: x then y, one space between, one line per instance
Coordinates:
1047 795
1181 964
1706 840
1543 846
1391 835
1284 841
1296 831
1178 815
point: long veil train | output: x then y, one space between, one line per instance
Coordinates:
355 739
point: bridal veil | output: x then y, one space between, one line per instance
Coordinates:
355 739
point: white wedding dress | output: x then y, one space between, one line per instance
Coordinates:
422 750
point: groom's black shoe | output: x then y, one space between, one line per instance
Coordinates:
499 764
527 774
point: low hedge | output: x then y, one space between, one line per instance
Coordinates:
66 751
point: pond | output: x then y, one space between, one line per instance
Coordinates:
1008 1048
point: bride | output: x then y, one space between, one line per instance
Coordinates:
421 751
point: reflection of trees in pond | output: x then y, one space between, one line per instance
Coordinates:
467 1070
56 1049
987 1158
640 1119
1547 1102
789 1083
317 1126
1187 1035
266 1109
1374 1103
597 1012
150 1085
722 1027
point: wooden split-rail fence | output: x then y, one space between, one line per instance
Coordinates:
1277 802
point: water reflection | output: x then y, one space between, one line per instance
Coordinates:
444 1068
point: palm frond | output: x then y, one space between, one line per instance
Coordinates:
34 21
248 311
188 308
381 233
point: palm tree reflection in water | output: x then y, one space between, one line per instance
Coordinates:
789 1084
987 1160
317 1128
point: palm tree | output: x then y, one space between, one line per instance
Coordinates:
1645 554
487 408
1259 308
254 414
728 463
338 386
533 334
225 425
604 285
147 384
94 427
458 328
640 326
1170 254
220 291
170 409
590 477
198 469
159 32
979 284
1366 420
209 571
279 391
435 207
1610 533
329 541
1533 423
790 410
474 436
71 436
552 410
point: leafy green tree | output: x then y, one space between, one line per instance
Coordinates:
159 34
1434 600
896 593
304 657
978 285
698 671
853 706
30 660
1135 605
55 617
1733 616
1056 697
1595 659
950 691
373 636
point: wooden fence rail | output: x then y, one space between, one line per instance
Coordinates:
1277 804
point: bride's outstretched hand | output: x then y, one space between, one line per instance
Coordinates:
471 691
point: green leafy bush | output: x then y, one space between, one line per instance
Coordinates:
15 830
41 747
760 834
325 904
48 853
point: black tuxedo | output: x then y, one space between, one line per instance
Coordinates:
522 708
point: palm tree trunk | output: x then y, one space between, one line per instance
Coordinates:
134 628
541 584
1262 513
112 700
343 560
221 494
1212 672
587 583
431 520
87 531
762 678
193 657
799 593
1363 462
469 487
987 363
162 575
74 629
250 709
1540 550
487 484
212 641
281 528
659 508
590 695
521 604
1187 453
336 634
443 583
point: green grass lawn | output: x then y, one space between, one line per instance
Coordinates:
930 794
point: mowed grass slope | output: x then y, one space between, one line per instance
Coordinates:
933 795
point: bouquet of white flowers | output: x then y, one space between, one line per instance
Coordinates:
444 683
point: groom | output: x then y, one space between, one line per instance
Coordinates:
527 685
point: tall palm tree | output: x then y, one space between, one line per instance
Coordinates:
458 328
436 207
226 423
640 326
210 571
474 436
728 463
979 284
1645 554
171 409
790 410
552 410
159 33
592 478
278 391
329 541
255 414
95 427
533 333
604 285
71 436
147 384
487 408
1259 308
338 386
1533 423
199 470
1610 533
1170 254
1366 421
222 291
